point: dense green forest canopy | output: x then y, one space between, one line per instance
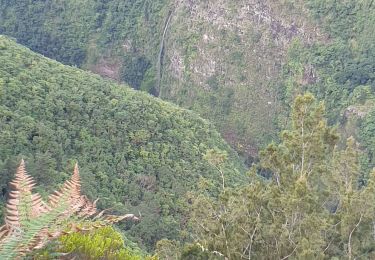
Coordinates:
87 33
238 63
138 154
241 75
118 39
340 69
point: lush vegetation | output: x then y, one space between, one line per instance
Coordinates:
309 194
339 69
305 201
126 34
204 65
138 154
240 75
104 243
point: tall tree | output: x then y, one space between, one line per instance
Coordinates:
304 201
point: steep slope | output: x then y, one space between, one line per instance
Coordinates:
222 59
117 39
238 63
341 69
137 153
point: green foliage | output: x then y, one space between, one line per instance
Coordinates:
322 46
168 250
81 32
38 27
209 71
339 68
138 154
134 70
149 82
201 65
367 134
103 243
351 51
195 252
306 202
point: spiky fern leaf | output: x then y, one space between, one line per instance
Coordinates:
23 209
30 223
22 205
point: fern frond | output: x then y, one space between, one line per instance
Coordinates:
4 231
30 223
22 181
70 192
22 205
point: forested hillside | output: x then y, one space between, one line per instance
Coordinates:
252 68
117 39
222 59
238 63
341 69
138 154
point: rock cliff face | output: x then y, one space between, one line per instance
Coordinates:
224 60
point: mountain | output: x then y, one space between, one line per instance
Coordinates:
238 63
222 59
136 153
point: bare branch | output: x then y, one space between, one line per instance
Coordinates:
350 237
